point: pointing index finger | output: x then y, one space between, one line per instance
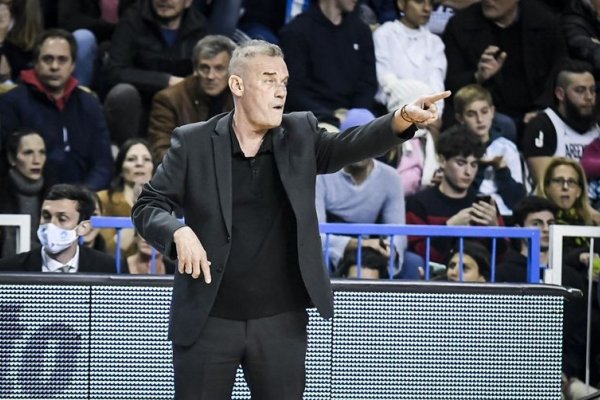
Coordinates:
437 96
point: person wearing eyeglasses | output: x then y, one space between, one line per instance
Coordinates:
573 115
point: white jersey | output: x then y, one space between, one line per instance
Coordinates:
569 142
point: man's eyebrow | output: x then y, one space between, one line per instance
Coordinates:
270 73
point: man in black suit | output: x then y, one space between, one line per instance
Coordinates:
246 184
65 217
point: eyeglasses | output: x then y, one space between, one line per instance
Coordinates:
571 183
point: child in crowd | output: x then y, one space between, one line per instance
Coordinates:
500 174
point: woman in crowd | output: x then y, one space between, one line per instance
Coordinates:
476 263
23 183
20 24
140 262
133 168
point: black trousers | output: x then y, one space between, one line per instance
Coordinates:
271 351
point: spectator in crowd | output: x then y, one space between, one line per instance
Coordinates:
197 98
367 191
510 47
454 201
65 215
93 239
24 181
581 27
372 265
530 212
68 117
151 49
475 263
20 24
563 182
424 62
330 57
500 173
141 261
133 168
590 162
563 130
92 22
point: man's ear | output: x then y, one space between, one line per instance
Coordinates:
84 228
559 92
236 85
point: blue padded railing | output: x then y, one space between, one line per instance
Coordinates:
531 234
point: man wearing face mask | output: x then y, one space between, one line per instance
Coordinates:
65 217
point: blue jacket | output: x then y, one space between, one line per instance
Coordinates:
77 138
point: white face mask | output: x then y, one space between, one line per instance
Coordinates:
55 239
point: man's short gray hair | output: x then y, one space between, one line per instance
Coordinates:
251 49
210 46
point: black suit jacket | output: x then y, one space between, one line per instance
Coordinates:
196 176
90 261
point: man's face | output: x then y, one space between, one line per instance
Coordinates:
213 73
579 96
62 213
168 10
54 65
346 6
564 187
459 171
541 220
470 269
499 11
262 90
478 116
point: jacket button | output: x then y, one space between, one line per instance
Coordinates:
219 269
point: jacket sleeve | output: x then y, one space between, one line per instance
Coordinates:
121 67
161 125
101 172
336 243
460 71
590 161
581 42
152 214
509 189
9 116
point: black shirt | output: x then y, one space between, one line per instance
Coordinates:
262 275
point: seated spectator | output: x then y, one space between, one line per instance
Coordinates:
65 216
133 168
454 201
262 19
364 192
373 265
563 182
475 263
530 212
565 129
197 98
20 24
151 49
590 162
140 262
500 174
330 57
423 57
24 182
68 117
581 27
510 47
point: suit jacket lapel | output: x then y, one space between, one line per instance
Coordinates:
282 159
222 156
